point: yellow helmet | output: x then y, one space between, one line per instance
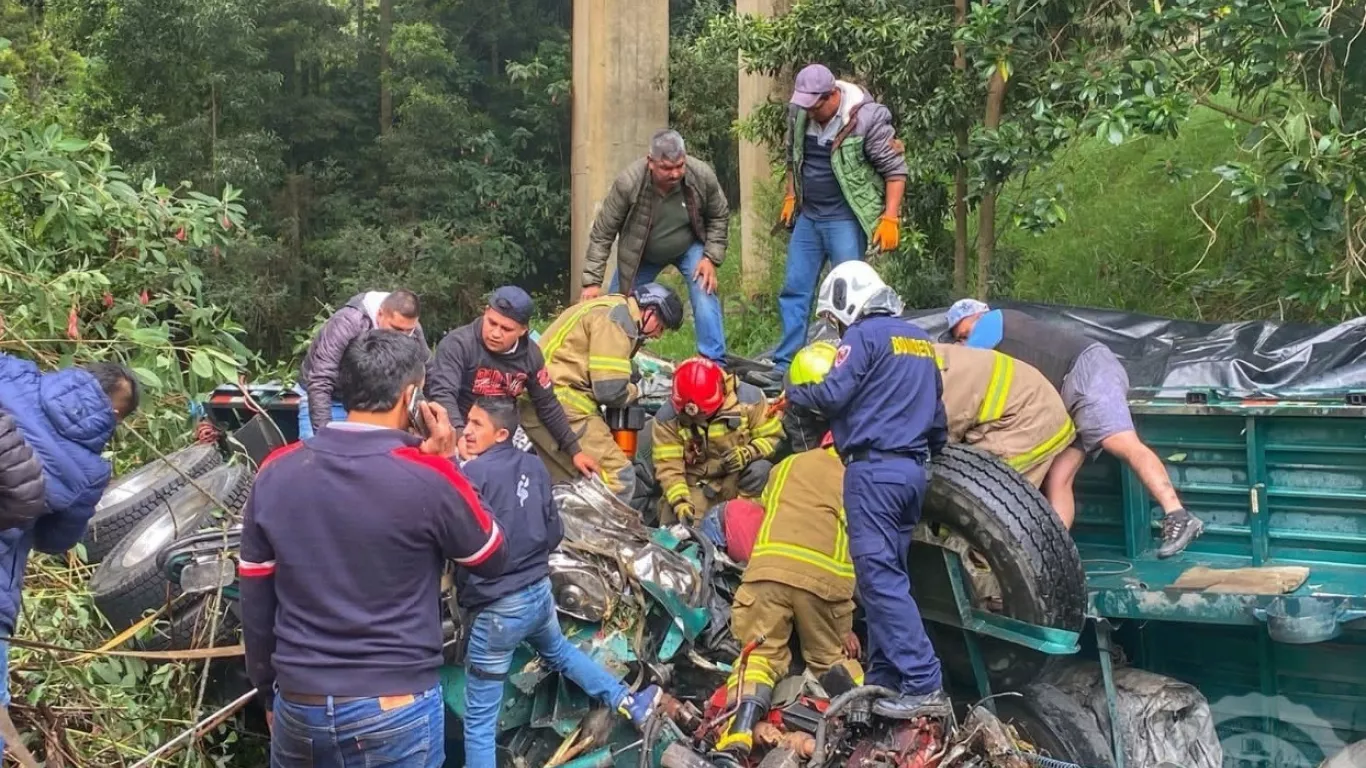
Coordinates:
811 364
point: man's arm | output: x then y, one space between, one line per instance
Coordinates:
324 358
554 526
548 407
465 531
887 156
667 455
256 572
446 376
766 429
832 395
23 491
716 216
938 434
609 361
606 226
62 529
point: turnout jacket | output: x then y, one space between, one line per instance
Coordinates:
802 541
464 370
987 392
685 454
588 351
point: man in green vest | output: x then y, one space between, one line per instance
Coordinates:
846 173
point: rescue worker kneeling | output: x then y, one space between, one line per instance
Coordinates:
799 577
1005 407
712 441
588 352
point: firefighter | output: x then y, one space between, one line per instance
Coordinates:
588 352
712 441
1005 407
883 399
799 576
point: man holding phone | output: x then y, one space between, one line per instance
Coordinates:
343 543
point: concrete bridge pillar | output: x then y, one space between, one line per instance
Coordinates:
755 166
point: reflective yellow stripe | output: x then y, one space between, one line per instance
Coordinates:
764 447
809 556
610 364
998 390
838 564
666 451
743 739
576 400
552 346
1061 439
717 429
676 492
770 428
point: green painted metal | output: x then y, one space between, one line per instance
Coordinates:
1049 640
1277 483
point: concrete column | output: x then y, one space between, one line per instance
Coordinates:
621 97
755 159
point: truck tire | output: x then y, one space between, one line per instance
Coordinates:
188 625
131 498
128 582
1056 725
1008 524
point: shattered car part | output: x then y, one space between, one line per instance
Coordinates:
583 588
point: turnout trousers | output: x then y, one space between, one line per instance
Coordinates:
882 498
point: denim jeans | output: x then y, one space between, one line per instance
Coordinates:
811 244
306 423
360 733
706 307
527 614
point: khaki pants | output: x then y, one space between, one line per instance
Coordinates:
595 439
1011 445
773 610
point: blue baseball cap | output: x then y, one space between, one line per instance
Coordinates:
813 82
963 309
513 303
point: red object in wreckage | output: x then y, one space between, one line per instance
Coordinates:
73 324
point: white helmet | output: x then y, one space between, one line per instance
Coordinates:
853 290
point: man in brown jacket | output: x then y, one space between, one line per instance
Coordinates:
1005 407
666 209
588 352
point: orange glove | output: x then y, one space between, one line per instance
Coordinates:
887 236
789 212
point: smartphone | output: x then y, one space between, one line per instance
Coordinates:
415 417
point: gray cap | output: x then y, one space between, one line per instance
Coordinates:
963 309
813 82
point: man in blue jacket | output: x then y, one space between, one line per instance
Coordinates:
883 397
66 417
517 605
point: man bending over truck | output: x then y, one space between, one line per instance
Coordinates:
1095 389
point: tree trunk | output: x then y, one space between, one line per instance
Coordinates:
960 174
386 97
986 222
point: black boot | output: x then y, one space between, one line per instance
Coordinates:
910 706
737 740
1179 529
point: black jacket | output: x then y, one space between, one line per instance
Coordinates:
514 487
23 494
464 369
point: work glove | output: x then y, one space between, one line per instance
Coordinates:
887 235
789 212
686 512
738 458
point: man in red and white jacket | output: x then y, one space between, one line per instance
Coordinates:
343 545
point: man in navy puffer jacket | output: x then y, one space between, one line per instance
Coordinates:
66 417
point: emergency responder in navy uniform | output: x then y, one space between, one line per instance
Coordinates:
884 401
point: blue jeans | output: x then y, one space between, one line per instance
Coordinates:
706 307
811 244
360 733
527 614
306 423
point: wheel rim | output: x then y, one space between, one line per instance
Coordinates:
164 530
134 484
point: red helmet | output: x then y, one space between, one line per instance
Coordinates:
699 388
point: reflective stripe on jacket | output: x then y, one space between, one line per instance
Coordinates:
743 419
588 352
802 541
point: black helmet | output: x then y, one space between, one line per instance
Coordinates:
663 301
805 429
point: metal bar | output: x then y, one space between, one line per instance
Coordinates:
979 669
194 731
1138 516
1258 514
1107 673
1049 640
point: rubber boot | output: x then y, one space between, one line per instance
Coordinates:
737 740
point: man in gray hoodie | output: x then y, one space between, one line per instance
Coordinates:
397 311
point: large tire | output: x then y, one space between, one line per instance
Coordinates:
1056 725
131 498
129 583
188 624
978 500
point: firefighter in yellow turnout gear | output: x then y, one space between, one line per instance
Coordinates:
800 576
712 441
1004 407
588 352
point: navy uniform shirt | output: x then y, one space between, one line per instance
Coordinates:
884 392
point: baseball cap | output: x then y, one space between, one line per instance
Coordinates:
964 308
513 303
813 82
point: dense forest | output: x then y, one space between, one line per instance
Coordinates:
188 185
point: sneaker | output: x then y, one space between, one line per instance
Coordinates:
910 706
640 706
1179 529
